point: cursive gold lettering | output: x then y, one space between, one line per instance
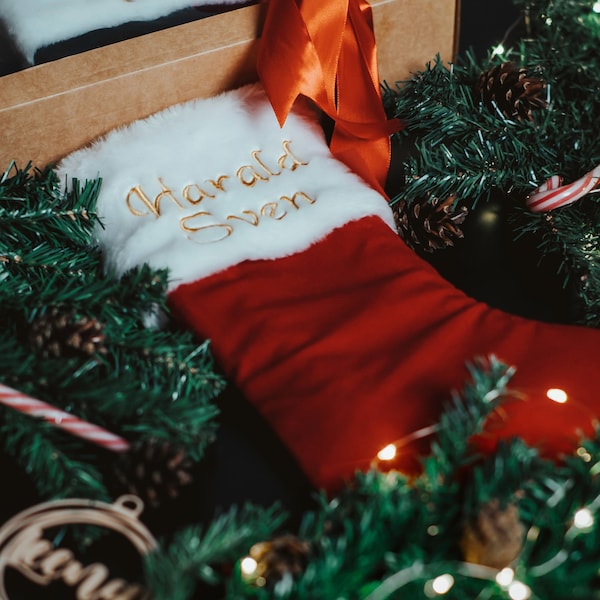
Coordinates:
292 200
211 228
166 193
139 192
270 209
198 196
253 217
153 206
296 162
218 184
248 175
262 165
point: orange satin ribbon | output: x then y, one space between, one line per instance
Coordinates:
325 50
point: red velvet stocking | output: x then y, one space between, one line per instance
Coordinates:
357 342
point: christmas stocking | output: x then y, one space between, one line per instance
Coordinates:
339 334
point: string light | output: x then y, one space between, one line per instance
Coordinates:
557 395
584 454
583 518
439 586
596 7
505 577
387 453
519 591
498 50
248 566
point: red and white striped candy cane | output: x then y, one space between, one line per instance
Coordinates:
552 194
64 420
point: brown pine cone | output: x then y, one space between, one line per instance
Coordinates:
282 555
59 332
495 537
514 90
429 224
155 470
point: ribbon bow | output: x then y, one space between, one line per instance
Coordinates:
325 50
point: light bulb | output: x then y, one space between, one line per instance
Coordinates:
596 7
584 454
442 584
387 453
557 395
248 566
505 577
583 518
498 50
519 591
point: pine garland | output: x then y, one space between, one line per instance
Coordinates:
147 383
388 536
457 146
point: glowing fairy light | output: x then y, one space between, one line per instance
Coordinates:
505 577
519 591
387 453
584 454
596 7
557 395
442 584
583 518
498 50
248 566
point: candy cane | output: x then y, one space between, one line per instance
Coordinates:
553 194
64 420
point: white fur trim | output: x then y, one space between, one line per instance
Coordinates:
38 23
193 143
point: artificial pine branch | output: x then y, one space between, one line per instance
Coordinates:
196 554
459 147
386 536
380 524
142 381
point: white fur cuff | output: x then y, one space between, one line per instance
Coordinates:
210 183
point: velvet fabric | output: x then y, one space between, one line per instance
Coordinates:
356 342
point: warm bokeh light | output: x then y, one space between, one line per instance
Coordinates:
519 591
442 584
498 50
387 453
584 454
583 518
505 577
248 566
557 395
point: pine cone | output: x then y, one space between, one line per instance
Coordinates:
154 470
495 538
514 90
59 332
429 224
283 555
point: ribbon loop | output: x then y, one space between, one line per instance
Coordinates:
325 50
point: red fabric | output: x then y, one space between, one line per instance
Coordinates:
357 342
